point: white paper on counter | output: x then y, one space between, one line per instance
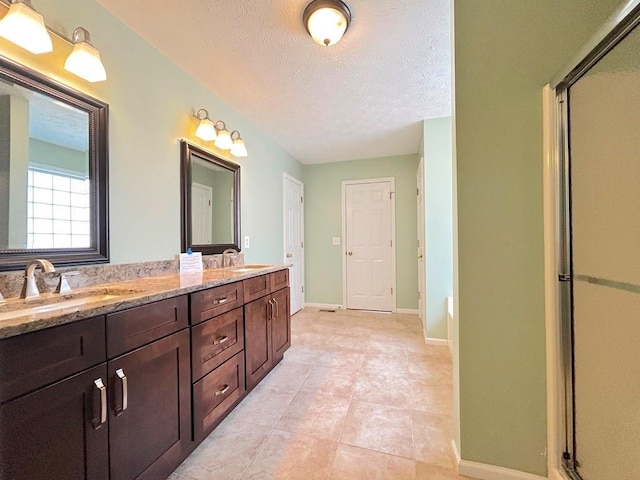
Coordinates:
190 262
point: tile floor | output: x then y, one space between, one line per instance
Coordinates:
358 396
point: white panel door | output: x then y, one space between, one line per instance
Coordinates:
293 239
368 246
201 212
421 246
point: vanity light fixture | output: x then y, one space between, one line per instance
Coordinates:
238 149
326 21
25 27
206 130
223 137
84 60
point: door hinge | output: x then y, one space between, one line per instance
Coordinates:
301 199
419 296
302 288
391 243
392 291
563 277
418 192
302 244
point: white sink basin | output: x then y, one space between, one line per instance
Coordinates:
49 302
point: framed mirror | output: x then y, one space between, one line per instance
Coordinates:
53 171
210 189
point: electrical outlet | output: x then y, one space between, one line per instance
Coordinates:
246 242
335 241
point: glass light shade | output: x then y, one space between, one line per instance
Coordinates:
223 139
206 131
84 61
327 26
238 149
25 27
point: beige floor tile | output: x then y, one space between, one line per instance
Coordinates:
353 463
429 370
431 398
350 343
383 388
386 364
335 380
341 359
287 456
386 347
425 471
226 453
302 354
263 406
432 436
177 476
378 427
318 415
311 339
287 375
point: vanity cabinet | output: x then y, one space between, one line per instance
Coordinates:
267 328
149 407
53 411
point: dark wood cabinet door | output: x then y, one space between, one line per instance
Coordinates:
256 287
151 436
257 340
279 280
281 324
56 432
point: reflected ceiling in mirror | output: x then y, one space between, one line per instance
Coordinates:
210 201
53 171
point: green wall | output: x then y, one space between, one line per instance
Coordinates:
505 51
438 223
151 101
323 220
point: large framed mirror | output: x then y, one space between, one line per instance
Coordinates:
210 201
53 171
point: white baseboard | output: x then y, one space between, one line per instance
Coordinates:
483 471
411 311
328 306
436 341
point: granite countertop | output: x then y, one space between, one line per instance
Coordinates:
113 297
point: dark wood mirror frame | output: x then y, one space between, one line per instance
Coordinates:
98 119
188 152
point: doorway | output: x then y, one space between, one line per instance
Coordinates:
294 238
369 246
420 221
201 198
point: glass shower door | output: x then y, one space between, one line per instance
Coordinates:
604 184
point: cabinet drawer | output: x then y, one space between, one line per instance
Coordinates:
216 341
30 361
279 280
215 301
256 287
215 395
138 326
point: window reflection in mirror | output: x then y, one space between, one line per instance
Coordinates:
44 156
53 171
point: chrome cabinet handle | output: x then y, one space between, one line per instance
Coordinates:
220 340
277 308
222 391
99 384
289 255
270 317
125 393
221 300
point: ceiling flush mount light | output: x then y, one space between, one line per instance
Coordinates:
238 149
84 60
326 21
25 27
223 137
206 131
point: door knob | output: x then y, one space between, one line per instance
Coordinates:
349 253
419 256
289 255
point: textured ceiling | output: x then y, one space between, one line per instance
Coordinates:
364 97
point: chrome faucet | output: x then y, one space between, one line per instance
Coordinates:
225 256
29 287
